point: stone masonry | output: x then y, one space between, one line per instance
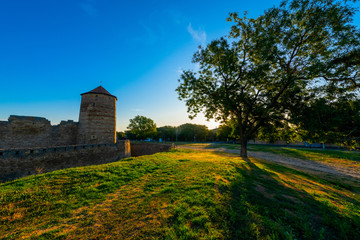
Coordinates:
31 145
15 163
97 119
97 125
24 131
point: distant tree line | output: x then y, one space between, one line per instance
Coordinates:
142 128
323 120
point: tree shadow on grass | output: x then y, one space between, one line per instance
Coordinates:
338 175
263 206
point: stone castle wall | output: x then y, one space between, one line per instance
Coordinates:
30 145
16 163
146 148
29 132
97 125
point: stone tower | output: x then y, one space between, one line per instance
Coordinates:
97 120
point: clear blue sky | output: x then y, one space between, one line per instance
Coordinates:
53 50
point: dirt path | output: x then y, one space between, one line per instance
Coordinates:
324 169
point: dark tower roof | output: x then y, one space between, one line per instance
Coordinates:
99 90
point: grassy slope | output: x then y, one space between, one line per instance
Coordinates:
181 194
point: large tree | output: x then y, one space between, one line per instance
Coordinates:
267 69
142 127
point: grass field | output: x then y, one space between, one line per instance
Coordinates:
181 194
342 157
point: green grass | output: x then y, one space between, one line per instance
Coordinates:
340 157
303 153
311 154
182 194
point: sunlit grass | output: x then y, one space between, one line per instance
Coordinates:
339 157
182 194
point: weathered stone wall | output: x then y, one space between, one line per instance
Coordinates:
21 131
97 125
16 163
97 119
29 132
4 134
65 133
144 148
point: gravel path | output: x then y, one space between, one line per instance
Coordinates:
329 170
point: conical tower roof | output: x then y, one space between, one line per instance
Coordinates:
99 90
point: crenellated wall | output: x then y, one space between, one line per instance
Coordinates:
29 132
16 163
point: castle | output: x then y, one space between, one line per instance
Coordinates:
30 145
97 125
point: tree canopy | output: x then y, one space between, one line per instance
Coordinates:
194 132
268 68
331 121
167 133
142 127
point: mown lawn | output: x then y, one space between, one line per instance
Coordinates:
182 194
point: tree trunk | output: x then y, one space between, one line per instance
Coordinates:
243 151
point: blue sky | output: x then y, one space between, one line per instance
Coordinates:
53 50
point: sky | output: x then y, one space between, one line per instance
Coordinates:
51 51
